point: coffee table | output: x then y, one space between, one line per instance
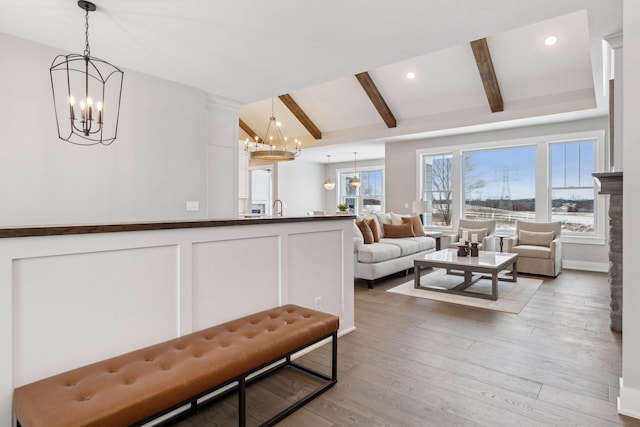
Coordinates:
487 263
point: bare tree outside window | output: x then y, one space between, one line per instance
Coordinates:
439 185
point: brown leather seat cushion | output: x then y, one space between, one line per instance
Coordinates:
134 386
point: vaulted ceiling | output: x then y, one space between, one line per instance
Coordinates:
495 82
252 51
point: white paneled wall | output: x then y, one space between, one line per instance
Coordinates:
66 301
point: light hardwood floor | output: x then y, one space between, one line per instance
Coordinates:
417 362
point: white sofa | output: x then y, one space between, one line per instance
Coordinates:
388 256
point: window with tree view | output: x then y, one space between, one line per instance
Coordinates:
500 184
437 188
572 186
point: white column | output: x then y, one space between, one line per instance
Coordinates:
222 157
616 73
629 400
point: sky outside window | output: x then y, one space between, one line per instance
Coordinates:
503 173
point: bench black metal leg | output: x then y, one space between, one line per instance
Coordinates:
329 382
334 356
242 402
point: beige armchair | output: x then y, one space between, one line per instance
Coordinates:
538 247
484 228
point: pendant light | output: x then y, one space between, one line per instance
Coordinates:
95 85
355 181
329 184
273 147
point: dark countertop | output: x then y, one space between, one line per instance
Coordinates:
61 230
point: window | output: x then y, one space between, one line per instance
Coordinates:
500 184
538 179
437 188
369 197
572 186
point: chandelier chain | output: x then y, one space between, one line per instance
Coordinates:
87 50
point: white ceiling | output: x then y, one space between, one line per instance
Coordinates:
250 51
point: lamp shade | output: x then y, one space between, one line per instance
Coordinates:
420 206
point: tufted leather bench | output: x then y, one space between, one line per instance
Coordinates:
136 387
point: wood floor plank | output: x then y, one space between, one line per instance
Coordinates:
484 404
595 407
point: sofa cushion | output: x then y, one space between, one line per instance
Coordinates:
424 243
416 224
395 231
535 238
373 225
378 252
532 251
408 246
366 232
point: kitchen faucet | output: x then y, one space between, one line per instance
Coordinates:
280 211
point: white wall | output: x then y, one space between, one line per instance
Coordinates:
401 184
157 163
629 402
299 186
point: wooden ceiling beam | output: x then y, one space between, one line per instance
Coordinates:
245 127
376 98
487 74
302 117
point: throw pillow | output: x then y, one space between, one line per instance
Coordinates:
481 232
356 231
372 223
366 232
394 231
395 218
383 218
535 238
415 222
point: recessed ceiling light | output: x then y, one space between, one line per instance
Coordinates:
411 75
551 40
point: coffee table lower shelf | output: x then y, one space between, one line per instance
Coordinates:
488 264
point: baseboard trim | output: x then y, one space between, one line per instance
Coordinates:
629 401
600 267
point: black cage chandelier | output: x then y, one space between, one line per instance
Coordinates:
86 94
273 147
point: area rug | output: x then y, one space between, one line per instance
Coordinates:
512 297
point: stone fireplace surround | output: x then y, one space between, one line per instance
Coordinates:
611 184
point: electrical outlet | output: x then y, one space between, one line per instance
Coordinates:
193 206
406 205
317 303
